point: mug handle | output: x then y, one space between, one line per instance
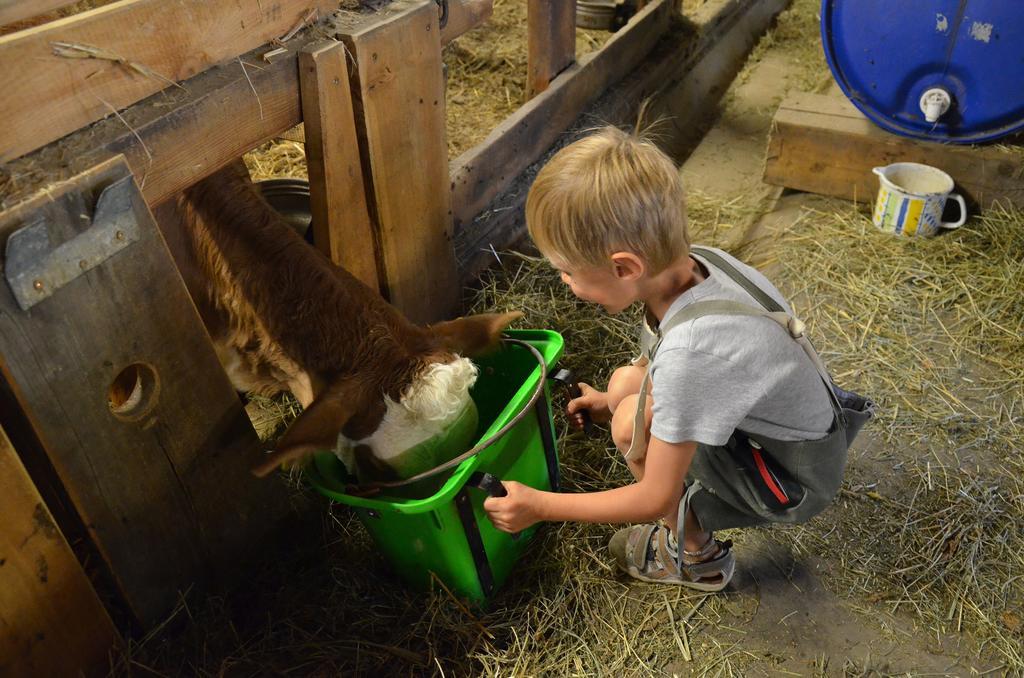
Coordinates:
963 213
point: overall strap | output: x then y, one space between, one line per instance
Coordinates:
795 328
734 274
773 311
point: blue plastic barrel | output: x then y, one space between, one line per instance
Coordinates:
944 70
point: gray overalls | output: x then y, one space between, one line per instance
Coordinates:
756 479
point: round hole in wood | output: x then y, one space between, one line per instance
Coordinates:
134 391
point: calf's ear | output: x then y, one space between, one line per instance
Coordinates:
316 429
475 334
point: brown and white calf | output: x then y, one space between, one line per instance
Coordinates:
282 316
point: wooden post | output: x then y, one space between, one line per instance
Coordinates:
551 42
401 123
51 621
342 227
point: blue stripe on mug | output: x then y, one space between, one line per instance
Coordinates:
903 215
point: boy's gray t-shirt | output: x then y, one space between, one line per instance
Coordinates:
719 373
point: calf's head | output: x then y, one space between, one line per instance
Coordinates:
415 390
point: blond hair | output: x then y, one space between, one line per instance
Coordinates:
608 192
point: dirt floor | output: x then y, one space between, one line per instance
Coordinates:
916 570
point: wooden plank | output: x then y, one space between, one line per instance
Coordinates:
51 621
464 15
175 138
342 227
482 172
163 486
19 10
401 121
823 144
47 96
684 76
551 42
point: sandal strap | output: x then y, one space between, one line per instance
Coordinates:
684 506
638 545
710 568
667 558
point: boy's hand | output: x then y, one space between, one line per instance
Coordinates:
596 402
517 510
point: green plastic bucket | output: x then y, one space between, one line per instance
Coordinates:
447 534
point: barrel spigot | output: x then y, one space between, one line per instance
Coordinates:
934 103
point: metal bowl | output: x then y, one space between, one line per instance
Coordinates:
290 197
595 14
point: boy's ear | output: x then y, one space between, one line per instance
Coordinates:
316 429
628 266
474 335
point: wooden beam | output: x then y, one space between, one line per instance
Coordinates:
19 10
142 46
823 144
551 42
482 172
401 121
686 73
464 15
175 138
52 622
342 227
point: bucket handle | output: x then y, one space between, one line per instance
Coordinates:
963 213
371 489
490 484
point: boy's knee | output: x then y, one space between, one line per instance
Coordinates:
625 381
622 423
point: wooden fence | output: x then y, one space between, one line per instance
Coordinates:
112 112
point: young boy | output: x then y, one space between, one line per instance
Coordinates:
738 428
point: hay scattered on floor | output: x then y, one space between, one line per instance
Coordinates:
933 329
797 35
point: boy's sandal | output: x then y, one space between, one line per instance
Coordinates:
642 552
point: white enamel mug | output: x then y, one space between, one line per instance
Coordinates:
911 198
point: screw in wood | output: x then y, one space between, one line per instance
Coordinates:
119 235
38 284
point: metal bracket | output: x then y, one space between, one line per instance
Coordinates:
35 269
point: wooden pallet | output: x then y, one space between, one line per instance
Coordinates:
823 144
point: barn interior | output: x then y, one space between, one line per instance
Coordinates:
138 543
